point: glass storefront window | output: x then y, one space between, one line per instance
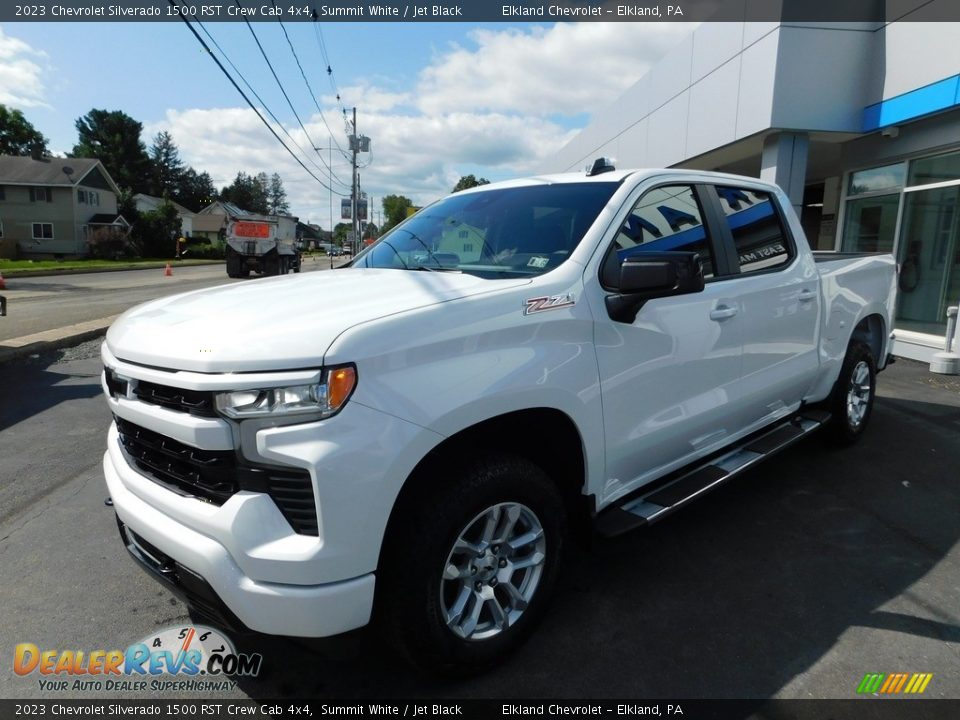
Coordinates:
870 223
939 168
929 256
888 177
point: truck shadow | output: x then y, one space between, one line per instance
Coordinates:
43 383
732 598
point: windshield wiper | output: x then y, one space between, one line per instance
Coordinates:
440 268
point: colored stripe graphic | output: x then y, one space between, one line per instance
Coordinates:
870 683
894 683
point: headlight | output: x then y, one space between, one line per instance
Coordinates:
321 400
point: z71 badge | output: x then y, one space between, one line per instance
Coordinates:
547 302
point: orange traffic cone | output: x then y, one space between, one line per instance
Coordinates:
168 271
3 284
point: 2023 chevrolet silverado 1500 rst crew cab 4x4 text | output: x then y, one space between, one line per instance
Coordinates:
504 364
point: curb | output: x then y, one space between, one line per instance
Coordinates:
96 328
51 272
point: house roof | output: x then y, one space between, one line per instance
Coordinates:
107 219
65 172
222 207
154 201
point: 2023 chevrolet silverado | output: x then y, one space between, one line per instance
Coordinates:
509 362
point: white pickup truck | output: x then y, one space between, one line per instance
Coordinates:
511 362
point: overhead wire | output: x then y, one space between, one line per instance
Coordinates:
266 108
307 83
244 96
318 33
276 77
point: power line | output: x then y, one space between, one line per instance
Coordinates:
318 32
264 104
307 82
277 78
244 96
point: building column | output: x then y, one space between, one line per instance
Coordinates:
784 162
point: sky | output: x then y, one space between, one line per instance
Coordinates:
438 100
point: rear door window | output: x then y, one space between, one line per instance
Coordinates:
761 241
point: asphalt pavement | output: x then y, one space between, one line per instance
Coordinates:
792 582
67 308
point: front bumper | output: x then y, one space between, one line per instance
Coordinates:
272 608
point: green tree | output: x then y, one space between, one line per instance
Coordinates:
157 231
113 137
340 233
167 168
395 210
370 230
277 196
248 192
195 190
17 135
469 181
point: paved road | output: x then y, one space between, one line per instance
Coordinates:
792 582
36 304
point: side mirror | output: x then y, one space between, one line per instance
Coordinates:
651 275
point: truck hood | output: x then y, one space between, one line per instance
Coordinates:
277 323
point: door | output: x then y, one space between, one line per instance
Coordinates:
670 377
778 292
929 256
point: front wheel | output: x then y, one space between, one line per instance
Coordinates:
851 402
468 571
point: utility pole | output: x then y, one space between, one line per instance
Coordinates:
329 149
358 144
354 145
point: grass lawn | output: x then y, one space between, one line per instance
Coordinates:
24 267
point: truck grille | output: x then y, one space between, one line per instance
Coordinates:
215 475
194 402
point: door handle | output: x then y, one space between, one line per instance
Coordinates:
806 295
722 312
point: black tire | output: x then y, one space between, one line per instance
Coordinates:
233 266
271 265
415 598
851 401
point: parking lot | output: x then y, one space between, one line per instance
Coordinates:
792 582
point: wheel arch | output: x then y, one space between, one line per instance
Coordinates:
546 436
871 330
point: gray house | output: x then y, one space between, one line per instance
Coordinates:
54 207
148 203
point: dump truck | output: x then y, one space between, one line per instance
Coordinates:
265 244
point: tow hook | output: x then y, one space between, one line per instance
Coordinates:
108 502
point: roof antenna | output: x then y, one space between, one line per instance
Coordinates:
600 165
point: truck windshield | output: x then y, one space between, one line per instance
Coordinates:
508 232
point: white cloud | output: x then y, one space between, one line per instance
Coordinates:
21 85
497 110
414 156
567 69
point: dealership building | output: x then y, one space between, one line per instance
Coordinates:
858 122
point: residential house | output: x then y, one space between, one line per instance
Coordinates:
211 221
54 207
148 203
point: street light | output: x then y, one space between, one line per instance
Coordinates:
330 188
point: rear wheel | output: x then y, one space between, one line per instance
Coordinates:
851 402
233 266
468 570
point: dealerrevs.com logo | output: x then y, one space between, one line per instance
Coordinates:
185 652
